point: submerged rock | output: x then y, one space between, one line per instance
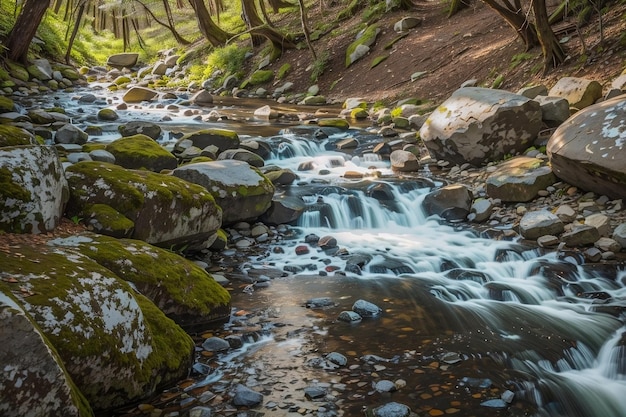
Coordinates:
366 309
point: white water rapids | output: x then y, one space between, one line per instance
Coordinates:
536 312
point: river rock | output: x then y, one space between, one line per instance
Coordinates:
33 374
404 161
15 136
116 345
6 105
126 59
40 69
70 134
284 210
242 155
366 309
481 210
391 409
102 155
33 189
215 344
136 127
619 234
533 91
565 213
258 146
452 202
108 115
479 125
165 210
221 139
583 235
349 317
279 176
600 222
266 112
554 110
240 189
385 385
519 179
606 244
138 94
579 92
141 152
538 223
202 98
588 150
246 397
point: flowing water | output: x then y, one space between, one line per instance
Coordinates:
465 320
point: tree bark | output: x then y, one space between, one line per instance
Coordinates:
305 28
553 53
79 18
169 25
516 18
25 28
211 32
277 4
252 19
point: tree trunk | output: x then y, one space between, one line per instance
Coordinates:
211 32
252 19
79 18
516 18
279 41
456 6
277 4
553 53
170 19
305 28
25 28
264 13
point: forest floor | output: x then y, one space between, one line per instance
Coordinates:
474 44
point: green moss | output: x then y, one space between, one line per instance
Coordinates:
17 71
200 159
376 61
367 38
141 151
334 122
396 39
14 136
260 77
92 146
358 113
136 261
6 104
283 71
108 219
10 189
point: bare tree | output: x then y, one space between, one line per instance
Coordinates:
25 28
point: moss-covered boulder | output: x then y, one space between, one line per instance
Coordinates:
166 210
141 152
32 187
258 77
102 218
116 345
334 122
107 115
221 139
33 376
361 46
17 70
6 104
15 136
139 94
240 189
185 292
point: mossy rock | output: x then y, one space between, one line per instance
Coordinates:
334 122
359 113
222 139
136 127
376 61
15 136
6 104
141 152
121 80
116 345
240 189
104 219
259 77
70 73
185 292
17 71
34 375
366 39
166 210
283 71
107 115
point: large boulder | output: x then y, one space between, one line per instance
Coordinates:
479 125
116 345
240 189
203 301
141 152
535 224
33 376
589 149
33 189
139 94
15 136
519 179
579 92
136 127
165 210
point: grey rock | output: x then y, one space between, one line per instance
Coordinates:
314 392
533 91
452 202
202 98
539 223
366 309
337 358
481 210
607 244
138 94
70 134
479 125
554 110
246 397
284 210
102 155
404 161
519 179
600 222
215 344
127 59
392 409
201 412
619 234
406 23
75 157
349 317
385 386
587 150
548 241
583 235
579 92
242 155
135 127
565 213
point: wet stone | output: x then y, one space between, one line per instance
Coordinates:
337 358
314 392
385 386
366 309
475 382
302 250
392 409
320 302
581 236
349 317
508 396
244 396
494 403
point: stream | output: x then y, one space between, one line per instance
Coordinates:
468 326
